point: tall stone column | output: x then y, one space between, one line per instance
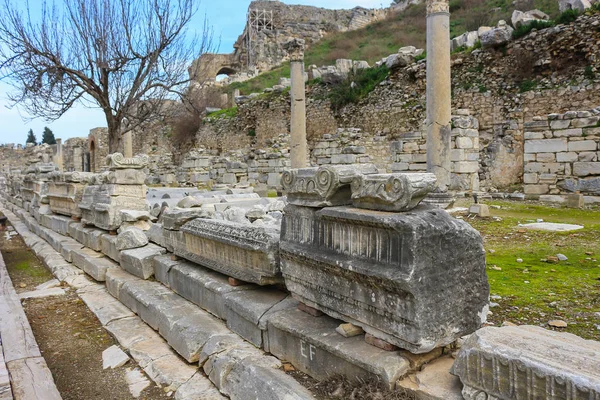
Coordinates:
59 155
298 145
438 92
128 144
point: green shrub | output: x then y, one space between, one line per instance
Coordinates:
527 85
589 72
482 89
364 80
421 56
252 132
525 29
227 113
567 17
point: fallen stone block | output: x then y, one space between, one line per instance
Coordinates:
37 294
174 219
139 262
131 238
109 247
515 362
48 285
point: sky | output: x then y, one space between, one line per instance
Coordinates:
227 17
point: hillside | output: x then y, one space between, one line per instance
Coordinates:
407 28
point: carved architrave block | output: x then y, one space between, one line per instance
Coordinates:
391 192
528 362
416 279
118 161
245 252
323 186
64 198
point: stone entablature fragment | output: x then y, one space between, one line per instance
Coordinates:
415 279
245 252
65 193
528 362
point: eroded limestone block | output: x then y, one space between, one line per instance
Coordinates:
174 219
528 362
245 252
414 279
323 186
391 192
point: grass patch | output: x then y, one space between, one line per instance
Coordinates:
225 113
527 85
524 30
262 81
357 86
534 291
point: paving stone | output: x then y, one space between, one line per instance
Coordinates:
314 347
93 263
114 357
48 285
170 371
128 331
198 387
551 226
137 382
146 351
515 362
104 306
36 294
31 379
244 310
139 262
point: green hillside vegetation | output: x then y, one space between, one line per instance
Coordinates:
407 28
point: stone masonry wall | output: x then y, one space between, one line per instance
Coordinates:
562 154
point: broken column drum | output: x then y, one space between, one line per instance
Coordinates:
414 279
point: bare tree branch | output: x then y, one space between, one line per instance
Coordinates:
125 56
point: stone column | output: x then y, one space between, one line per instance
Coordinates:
128 144
59 155
438 92
298 144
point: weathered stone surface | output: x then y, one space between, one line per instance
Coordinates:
245 309
586 168
391 192
313 346
434 382
174 219
546 146
323 186
92 263
64 198
139 262
246 252
128 331
118 161
201 286
170 372
515 362
114 357
36 294
198 387
131 238
31 379
520 18
381 271
498 36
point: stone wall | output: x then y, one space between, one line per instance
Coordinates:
562 154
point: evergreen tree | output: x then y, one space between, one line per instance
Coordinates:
31 137
48 136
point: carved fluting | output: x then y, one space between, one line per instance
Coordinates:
391 192
324 186
119 161
295 49
438 6
528 362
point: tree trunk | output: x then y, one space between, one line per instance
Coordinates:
115 140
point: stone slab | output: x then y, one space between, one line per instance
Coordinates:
36 294
114 357
31 379
170 372
92 263
104 306
128 331
198 387
528 362
434 382
313 346
139 262
551 226
146 351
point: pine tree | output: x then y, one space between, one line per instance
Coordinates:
48 136
31 137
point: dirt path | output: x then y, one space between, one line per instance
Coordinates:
69 335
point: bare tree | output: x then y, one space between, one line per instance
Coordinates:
126 57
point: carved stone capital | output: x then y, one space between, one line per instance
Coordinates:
438 6
391 192
295 49
324 186
118 161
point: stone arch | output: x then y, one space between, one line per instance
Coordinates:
208 66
